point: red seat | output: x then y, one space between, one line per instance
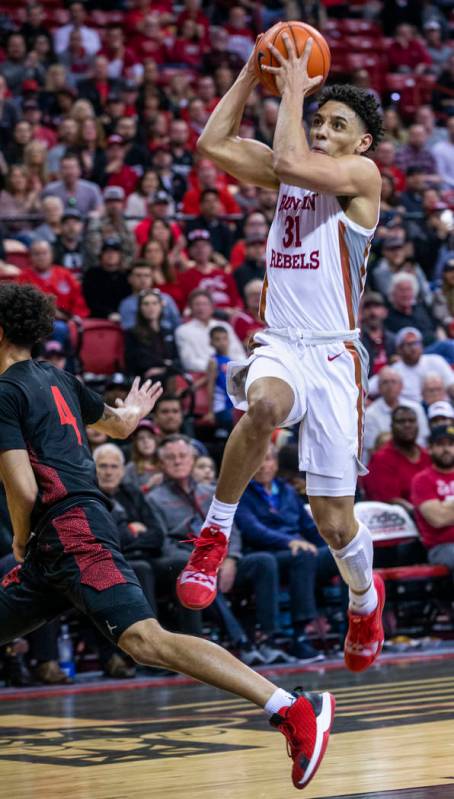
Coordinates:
420 572
99 344
195 400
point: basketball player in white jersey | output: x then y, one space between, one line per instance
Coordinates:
308 365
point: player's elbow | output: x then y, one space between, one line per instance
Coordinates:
281 165
204 147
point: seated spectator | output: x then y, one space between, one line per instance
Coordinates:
18 199
68 135
219 403
78 63
432 496
416 182
444 157
136 154
111 223
406 52
150 349
443 95
54 280
181 503
15 68
77 16
415 365
143 468
204 470
168 419
272 517
20 136
241 38
8 115
379 342
385 156
440 413
119 55
140 278
406 311
245 323
416 153
117 173
206 275
207 177
163 272
443 298
99 85
73 191
438 50
68 244
432 235
255 224
193 338
182 158
254 265
91 149
210 219
106 285
433 389
378 414
394 261
136 207
393 466
52 211
425 116
159 206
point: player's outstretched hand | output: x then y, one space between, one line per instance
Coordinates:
291 74
141 398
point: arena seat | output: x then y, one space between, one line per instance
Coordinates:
98 344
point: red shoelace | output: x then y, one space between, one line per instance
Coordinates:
201 559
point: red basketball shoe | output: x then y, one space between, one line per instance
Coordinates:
365 636
306 724
196 585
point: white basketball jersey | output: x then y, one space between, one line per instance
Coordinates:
316 263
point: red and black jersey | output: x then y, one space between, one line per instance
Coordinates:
44 410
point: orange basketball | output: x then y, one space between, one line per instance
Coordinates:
319 61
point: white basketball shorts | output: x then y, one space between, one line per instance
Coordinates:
329 383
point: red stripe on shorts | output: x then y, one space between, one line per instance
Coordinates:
96 564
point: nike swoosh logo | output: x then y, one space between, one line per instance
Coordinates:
333 357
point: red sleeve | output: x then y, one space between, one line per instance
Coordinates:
238 254
141 232
191 202
422 489
424 57
78 305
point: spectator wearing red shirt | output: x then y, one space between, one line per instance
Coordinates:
33 114
193 12
117 172
246 323
385 156
254 224
158 208
207 178
406 52
392 468
189 45
206 90
432 494
205 274
241 38
149 43
54 280
119 56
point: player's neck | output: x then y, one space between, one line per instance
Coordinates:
11 355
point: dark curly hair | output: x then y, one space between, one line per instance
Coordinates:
362 102
26 314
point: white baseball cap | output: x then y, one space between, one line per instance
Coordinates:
441 408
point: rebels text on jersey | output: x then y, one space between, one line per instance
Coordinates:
44 410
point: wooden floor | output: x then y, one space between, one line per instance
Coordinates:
393 739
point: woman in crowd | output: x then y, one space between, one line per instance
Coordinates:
137 202
18 199
143 469
150 349
174 247
91 149
164 276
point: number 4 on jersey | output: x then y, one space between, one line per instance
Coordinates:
64 412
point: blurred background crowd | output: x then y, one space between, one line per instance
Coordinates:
156 259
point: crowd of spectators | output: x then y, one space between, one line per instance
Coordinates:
105 203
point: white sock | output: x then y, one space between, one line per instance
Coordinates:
355 565
221 514
278 700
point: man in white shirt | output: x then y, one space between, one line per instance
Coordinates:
193 338
414 365
378 414
90 39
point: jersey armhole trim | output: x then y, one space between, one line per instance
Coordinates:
365 231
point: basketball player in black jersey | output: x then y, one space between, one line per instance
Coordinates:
65 541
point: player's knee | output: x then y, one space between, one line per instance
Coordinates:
335 529
145 642
265 415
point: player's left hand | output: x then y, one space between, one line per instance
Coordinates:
292 74
141 397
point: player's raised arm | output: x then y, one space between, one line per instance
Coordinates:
121 421
326 165
21 492
247 160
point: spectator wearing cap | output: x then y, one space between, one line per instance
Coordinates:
97 88
89 37
246 322
193 337
54 280
150 349
206 275
111 224
117 173
33 114
140 278
394 259
416 152
393 466
379 342
210 219
432 494
439 413
8 115
159 207
378 413
444 156
438 50
405 310
52 211
406 52
207 178
74 192
106 285
411 198
143 469
414 365
68 251
54 352
254 264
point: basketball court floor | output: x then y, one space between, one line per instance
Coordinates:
173 738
